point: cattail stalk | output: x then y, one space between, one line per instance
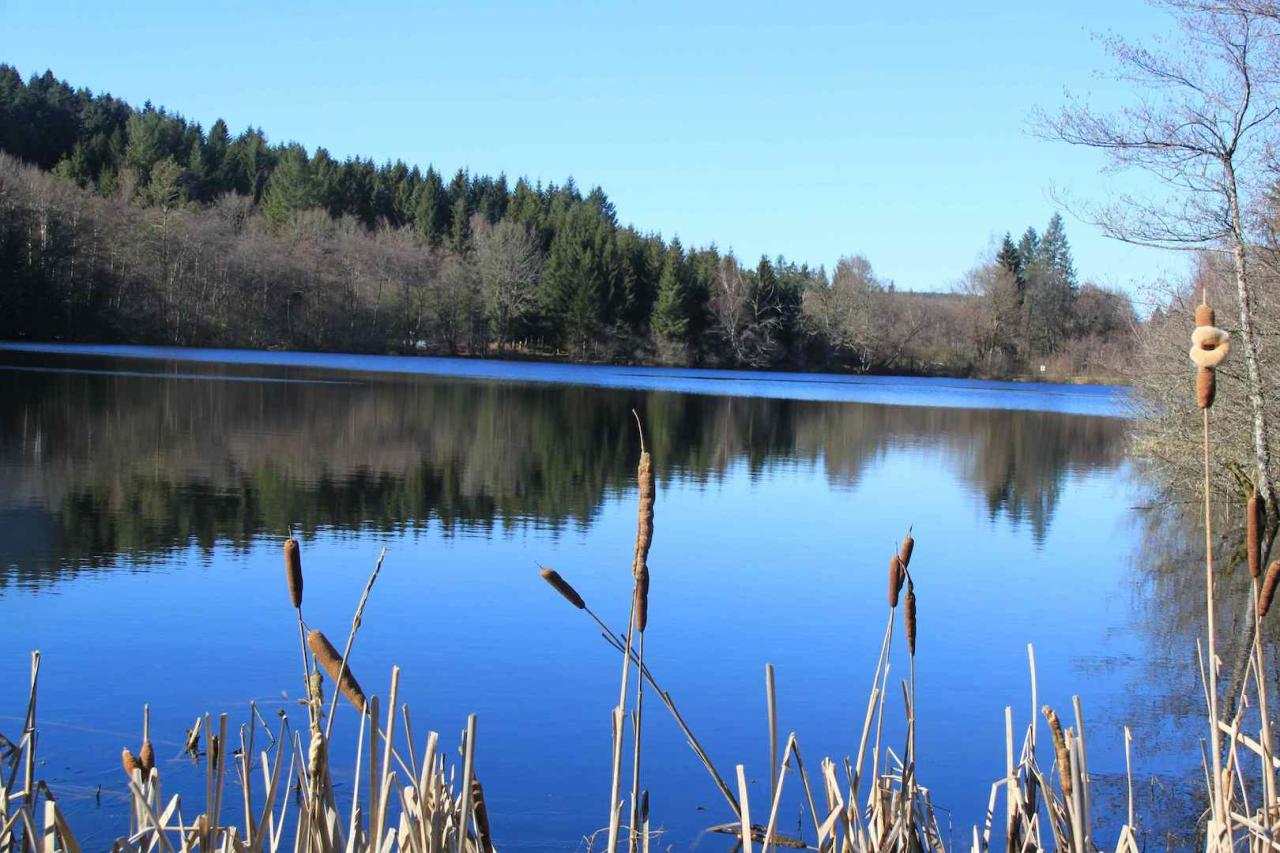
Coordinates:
327 656
1220 815
1253 534
351 635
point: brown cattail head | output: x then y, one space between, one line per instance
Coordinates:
1253 533
147 759
644 520
1206 387
1205 315
130 762
327 656
909 614
908 545
1060 750
642 598
1269 584
561 586
482 817
897 574
293 570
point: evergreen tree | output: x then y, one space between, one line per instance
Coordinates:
291 187
671 308
1029 249
1009 258
432 216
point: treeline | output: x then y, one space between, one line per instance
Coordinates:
130 224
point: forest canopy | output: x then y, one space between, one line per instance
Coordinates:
133 224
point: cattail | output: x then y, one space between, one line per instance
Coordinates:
1253 528
644 521
896 576
130 762
1206 387
482 816
1205 316
1268 588
908 545
327 656
293 570
1060 749
909 613
147 759
642 598
561 586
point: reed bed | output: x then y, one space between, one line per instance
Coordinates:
281 796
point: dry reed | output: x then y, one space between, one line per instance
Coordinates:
327 656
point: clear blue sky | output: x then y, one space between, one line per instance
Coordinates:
812 130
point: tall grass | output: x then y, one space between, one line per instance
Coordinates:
410 799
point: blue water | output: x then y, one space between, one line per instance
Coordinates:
146 494
833 388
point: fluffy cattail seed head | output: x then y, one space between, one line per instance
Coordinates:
561 586
1253 534
293 570
1205 316
147 759
644 520
897 574
1269 584
130 762
909 612
1206 387
908 545
327 656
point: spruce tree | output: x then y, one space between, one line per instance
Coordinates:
432 216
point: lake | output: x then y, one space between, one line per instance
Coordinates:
146 494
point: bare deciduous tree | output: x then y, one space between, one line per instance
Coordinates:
509 264
1200 124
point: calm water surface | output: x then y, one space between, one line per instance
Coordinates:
145 500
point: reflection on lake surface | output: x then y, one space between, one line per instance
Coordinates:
144 504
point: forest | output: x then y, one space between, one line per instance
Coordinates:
134 225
